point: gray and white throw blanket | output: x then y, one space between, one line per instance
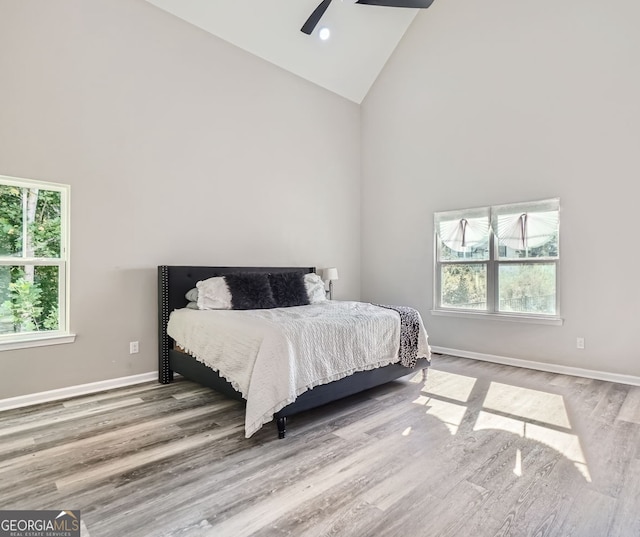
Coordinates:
410 322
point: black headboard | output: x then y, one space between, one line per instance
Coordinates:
173 284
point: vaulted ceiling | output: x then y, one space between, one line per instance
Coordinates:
362 36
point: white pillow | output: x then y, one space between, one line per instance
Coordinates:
192 295
213 294
315 288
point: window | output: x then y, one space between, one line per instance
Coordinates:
499 260
34 263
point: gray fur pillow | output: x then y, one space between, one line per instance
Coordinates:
250 291
288 289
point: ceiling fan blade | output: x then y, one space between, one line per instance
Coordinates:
315 17
422 4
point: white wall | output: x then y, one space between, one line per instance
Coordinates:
179 149
499 101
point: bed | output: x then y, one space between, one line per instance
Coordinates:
174 282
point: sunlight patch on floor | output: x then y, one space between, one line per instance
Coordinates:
512 408
563 442
517 469
450 414
449 385
530 414
488 421
532 405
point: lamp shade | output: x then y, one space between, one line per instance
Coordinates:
330 274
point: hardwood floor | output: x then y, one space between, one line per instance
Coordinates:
475 450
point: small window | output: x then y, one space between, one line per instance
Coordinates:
499 260
33 259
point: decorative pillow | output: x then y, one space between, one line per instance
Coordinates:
192 305
213 294
315 288
192 295
250 291
288 289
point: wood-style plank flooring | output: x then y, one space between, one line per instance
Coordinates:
473 450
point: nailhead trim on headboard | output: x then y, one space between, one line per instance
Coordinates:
165 375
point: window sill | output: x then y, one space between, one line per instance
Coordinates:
32 340
530 319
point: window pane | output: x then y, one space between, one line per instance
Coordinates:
464 286
10 220
35 210
28 298
523 235
548 250
44 222
480 252
527 288
463 234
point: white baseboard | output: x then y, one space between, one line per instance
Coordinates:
94 387
542 366
73 391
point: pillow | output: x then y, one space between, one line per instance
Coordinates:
288 289
315 288
250 291
192 305
192 295
213 294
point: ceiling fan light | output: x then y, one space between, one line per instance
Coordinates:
324 33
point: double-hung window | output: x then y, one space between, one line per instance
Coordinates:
34 263
500 260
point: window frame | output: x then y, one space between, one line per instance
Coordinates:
62 334
492 264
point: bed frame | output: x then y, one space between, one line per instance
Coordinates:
175 281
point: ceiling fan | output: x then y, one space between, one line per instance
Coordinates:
315 17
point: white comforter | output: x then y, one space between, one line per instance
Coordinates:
273 355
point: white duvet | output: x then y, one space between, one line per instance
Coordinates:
273 355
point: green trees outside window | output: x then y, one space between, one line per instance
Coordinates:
501 259
31 257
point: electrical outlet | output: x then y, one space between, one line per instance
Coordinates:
580 343
133 347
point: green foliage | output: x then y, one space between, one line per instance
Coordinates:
10 220
29 294
464 285
51 320
527 280
528 287
46 278
44 230
523 287
24 305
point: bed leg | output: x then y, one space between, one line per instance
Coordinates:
282 427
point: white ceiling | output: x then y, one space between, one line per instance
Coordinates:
362 37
